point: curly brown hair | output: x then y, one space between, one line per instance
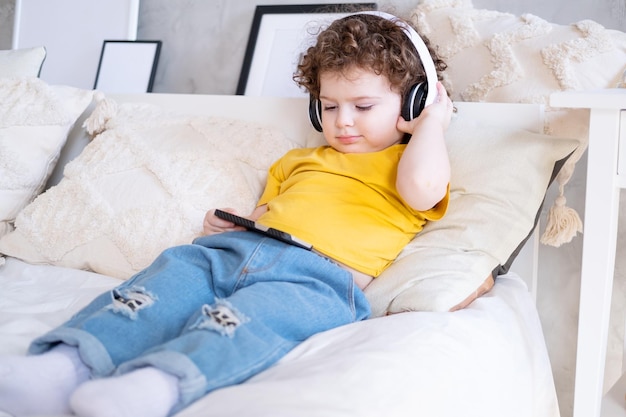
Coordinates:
368 42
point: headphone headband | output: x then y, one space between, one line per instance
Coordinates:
422 52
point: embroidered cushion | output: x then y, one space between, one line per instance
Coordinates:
35 119
142 185
26 62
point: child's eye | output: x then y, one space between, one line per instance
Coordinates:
364 108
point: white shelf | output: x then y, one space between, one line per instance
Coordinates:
610 98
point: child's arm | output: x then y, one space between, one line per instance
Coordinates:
213 224
424 169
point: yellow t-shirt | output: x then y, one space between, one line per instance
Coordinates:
344 204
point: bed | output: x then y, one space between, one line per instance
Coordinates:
438 364
95 185
487 359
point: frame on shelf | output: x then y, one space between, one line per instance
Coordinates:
278 37
127 66
72 32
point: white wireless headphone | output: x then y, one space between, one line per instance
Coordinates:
419 96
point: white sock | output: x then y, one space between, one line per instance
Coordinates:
40 384
146 392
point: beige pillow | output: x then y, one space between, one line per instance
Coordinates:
35 119
143 185
499 180
25 62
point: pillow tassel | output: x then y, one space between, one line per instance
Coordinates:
563 224
105 110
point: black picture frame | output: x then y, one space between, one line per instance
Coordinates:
270 59
127 67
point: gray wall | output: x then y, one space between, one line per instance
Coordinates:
204 40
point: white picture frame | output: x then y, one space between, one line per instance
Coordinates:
127 67
278 37
72 32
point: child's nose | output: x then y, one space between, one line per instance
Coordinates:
345 117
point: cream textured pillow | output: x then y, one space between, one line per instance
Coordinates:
25 62
500 57
499 180
35 119
143 185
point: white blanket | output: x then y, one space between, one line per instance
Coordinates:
487 360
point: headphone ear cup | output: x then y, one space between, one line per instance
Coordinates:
415 101
315 113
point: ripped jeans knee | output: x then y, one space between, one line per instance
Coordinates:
221 317
129 300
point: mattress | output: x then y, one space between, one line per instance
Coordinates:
489 359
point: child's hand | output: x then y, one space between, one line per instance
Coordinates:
442 106
213 225
440 109
484 288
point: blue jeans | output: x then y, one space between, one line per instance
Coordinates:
213 313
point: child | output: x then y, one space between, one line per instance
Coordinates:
216 312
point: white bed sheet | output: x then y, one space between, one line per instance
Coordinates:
487 360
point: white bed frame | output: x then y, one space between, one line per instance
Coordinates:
525 116
256 109
608 121
606 175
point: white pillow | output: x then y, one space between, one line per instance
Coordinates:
25 62
499 180
143 185
35 119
